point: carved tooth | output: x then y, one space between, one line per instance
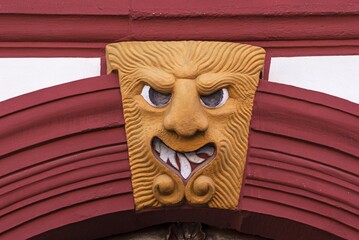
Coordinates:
192 157
156 144
185 165
172 158
209 150
165 152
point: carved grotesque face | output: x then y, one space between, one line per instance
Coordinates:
187 108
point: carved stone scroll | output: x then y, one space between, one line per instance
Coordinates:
187 108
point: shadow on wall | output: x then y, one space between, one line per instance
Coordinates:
185 231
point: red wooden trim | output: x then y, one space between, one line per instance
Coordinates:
150 8
51 49
259 224
75 213
62 150
306 48
32 99
58 28
126 221
21 134
256 28
163 8
314 97
334 46
66 7
113 28
252 223
301 175
302 161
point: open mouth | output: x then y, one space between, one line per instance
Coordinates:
184 163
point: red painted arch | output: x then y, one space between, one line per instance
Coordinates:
65 173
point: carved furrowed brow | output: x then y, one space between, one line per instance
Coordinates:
210 82
160 80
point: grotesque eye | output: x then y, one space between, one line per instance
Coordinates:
216 99
154 98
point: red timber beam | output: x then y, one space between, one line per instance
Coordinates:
83 28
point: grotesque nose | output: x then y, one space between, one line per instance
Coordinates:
185 115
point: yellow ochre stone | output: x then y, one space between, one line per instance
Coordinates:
179 97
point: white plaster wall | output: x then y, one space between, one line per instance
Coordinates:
334 75
22 75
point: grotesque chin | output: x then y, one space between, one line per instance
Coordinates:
183 163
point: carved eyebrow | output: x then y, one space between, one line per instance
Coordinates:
156 78
210 82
